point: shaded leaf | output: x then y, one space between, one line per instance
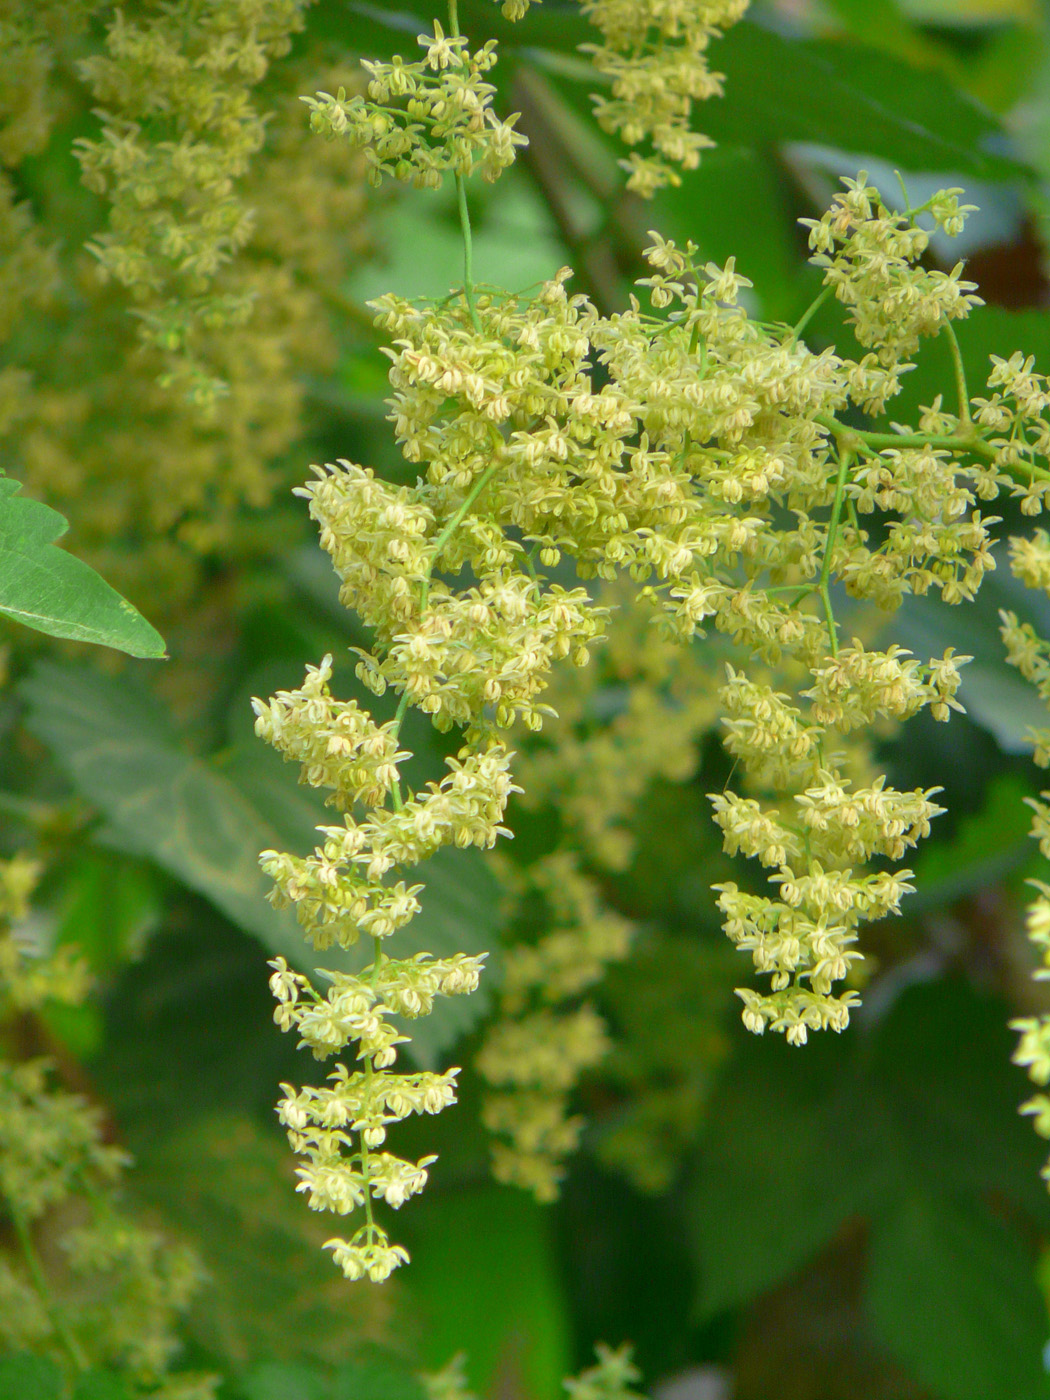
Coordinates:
780 1170
23 1375
52 591
282 1380
228 1186
195 821
160 801
951 1291
737 205
939 1065
483 1269
853 98
109 907
376 1381
994 694
101 1385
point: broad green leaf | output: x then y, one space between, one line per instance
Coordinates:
101 1385
48 589
970 12
855 99
984 850
994 694
951 1292
938 1077
108 907
919 1105
780 1170
203 827
225 1184
284 1380
160 801
23 1375
484 1272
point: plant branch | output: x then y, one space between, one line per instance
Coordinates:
43 1288
959 370
824 580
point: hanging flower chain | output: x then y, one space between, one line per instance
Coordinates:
711 460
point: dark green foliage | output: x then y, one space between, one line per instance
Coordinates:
910 1127
24 1375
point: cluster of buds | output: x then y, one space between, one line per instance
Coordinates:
446 122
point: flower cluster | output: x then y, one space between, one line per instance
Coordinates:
654 55
1033 1050
1019 433
871 257
151 482
629 719
447 121
544 1040
365 1102
340 893
1030 653
714 463
176 216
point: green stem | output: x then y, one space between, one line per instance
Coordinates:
43 1288
369 1215
810 312
468 252
971 442
960 374
461 200
829 551
451 525
402 706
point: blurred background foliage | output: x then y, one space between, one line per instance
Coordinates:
861 1218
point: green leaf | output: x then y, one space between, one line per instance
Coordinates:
45 588
484 1273
101 1385
206 827
951 1292
108 908
909 1119
853 99
282 1380
940 1081
224 1183
515 243
122 753
23 1375
964 13
984 850
758 231
376 1381
883 24
780 1172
